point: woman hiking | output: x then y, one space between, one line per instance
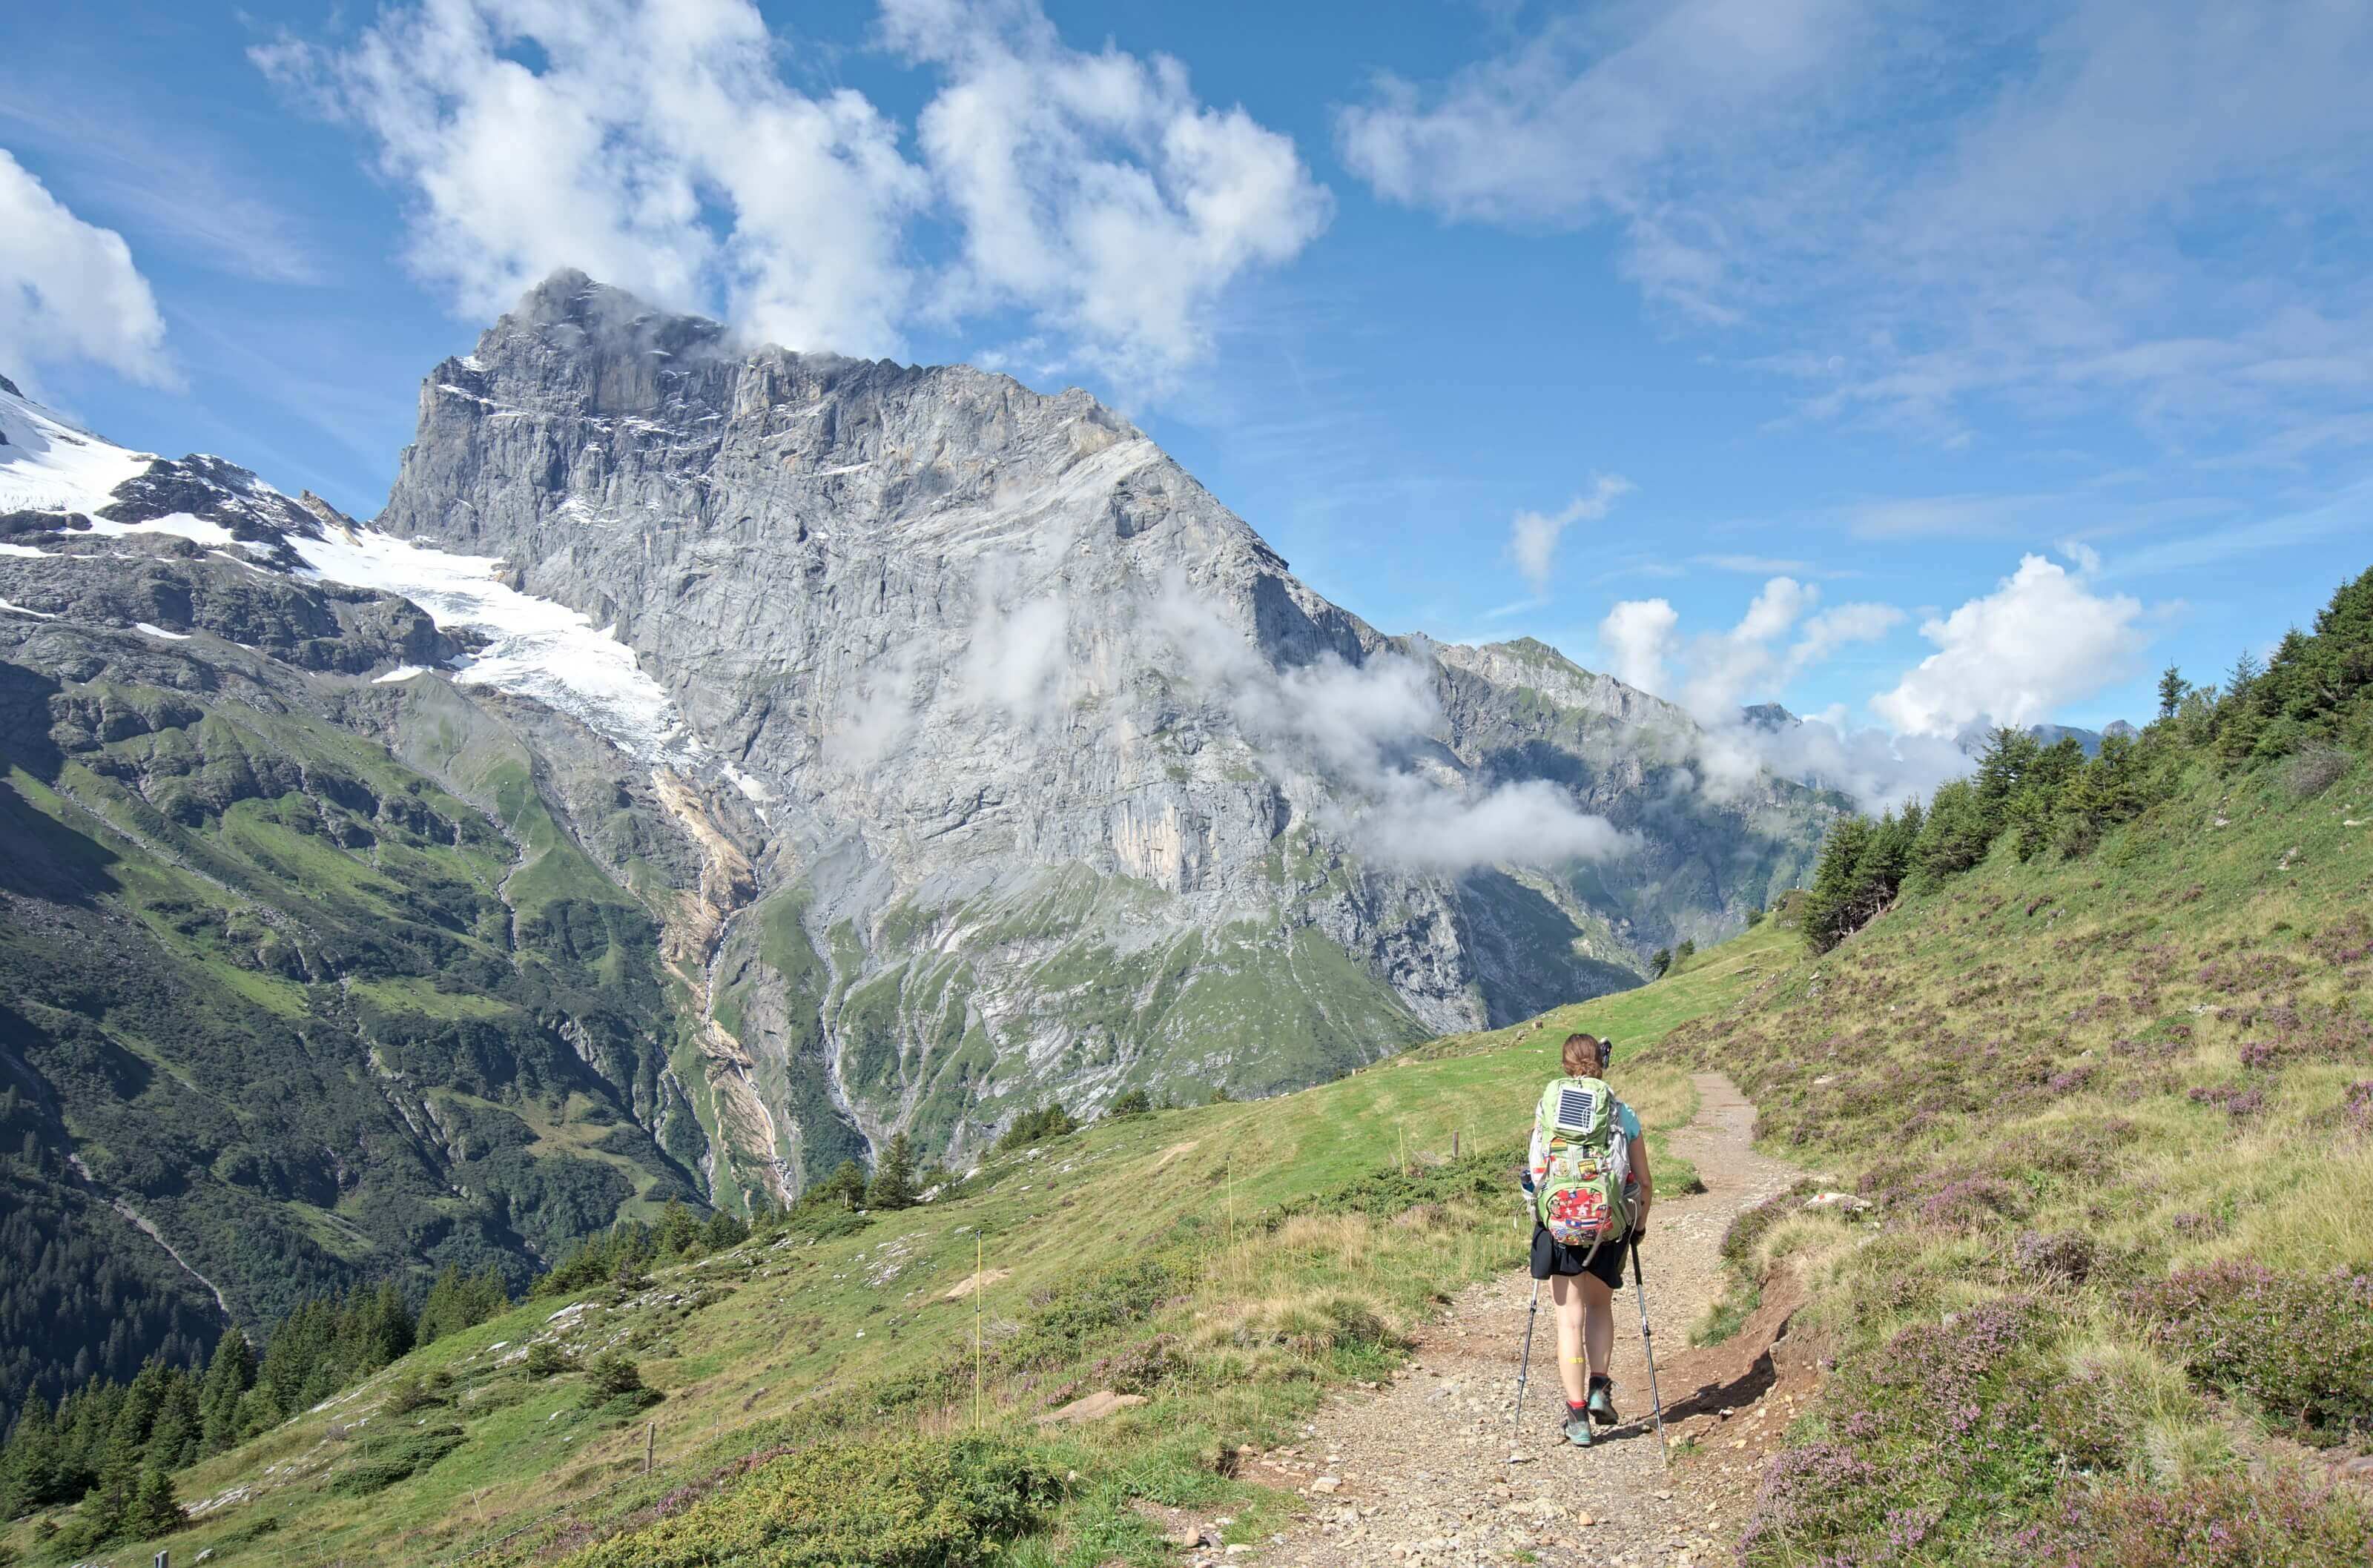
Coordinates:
1591 1188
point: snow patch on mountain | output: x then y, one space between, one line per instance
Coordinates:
48 465
537 648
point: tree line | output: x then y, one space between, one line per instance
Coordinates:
114 1447
2054 799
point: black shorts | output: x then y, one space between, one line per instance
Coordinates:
1551 1258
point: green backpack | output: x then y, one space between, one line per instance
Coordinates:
1580 1199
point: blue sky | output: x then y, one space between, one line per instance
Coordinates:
1891 364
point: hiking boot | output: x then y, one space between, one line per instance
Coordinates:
1602 1402
1577 1429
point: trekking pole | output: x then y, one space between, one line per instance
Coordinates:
1524 1365
1648 1343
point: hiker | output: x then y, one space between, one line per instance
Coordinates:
1587 1175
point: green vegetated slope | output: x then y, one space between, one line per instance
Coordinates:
2112 1299
1226 1264
930 1009
303 1012
2106 1106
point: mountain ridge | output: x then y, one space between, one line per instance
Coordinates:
710 766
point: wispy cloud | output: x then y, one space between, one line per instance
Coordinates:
1532 536
169 189
1756 565
2349 511
2110 206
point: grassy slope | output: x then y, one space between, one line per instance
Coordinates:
2004 1063
187 866
2059 1083
1169 1230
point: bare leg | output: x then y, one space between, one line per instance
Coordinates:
1564 1290
1598 1304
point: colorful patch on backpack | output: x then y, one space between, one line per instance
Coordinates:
1576 1213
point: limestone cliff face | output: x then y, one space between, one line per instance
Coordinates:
998 679
923 746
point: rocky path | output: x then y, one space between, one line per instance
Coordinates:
1421 1472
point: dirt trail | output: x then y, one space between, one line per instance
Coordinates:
1419 1472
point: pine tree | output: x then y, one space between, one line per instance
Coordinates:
489 1296
108 1507
2172 689
155 1510
1830 906
844 1188
447 1310
1659 962
228 1376
894 1180
677 1232
1954 837
33 1471
2009 754
173 1440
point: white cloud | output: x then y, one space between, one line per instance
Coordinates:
1581 118
1365 732
2110 205
1877 769
1533 536
1528 823
1722 670
1834 628
1096 191
2012 656
68 289
878 712
1017 659
650 144
1638 638
655 145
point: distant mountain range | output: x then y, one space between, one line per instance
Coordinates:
713 761
1973 741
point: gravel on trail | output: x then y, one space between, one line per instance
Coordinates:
1427 1471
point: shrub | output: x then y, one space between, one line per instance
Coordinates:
1133 1103
2063 1255
2223 1521
611 1375
1484 1176
2313 770
406 1395
1974 1408
893 1503
1973 1203
1739 1241
2300 1344
380 1462
545 1360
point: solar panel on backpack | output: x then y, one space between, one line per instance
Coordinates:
1575 1108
